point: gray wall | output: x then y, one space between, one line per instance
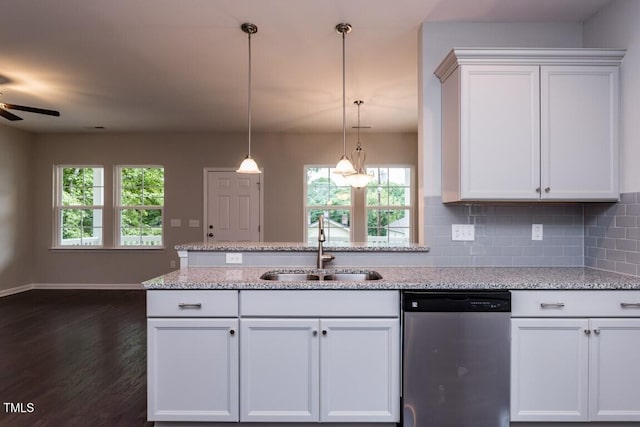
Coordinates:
184 156
16 208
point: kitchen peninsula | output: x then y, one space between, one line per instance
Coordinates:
255 332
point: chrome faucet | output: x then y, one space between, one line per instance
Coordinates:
322 257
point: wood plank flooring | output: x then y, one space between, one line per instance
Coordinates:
78 356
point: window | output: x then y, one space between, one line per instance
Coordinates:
79 205
329 194
139 205
389 206
380 214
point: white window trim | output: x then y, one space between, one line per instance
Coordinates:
117 209
58 207
411 206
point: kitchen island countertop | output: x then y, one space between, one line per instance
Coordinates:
402 278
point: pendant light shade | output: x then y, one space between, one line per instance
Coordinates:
360 178
344 166
249 165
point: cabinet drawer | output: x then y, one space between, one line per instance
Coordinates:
196 303
575 303
320 303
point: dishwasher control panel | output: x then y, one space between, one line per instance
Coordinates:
436 301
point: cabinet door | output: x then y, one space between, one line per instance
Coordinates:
549 369
499 132
192 369
359 370
279 370
614 393
579 125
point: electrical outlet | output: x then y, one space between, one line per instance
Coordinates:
464 232
194 223
234 258
536 231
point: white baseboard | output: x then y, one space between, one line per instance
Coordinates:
95 286
16 290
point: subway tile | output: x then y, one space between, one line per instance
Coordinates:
633 233
615 255
503 240
628 198
626 245
616 232
574 251
626 221
482 261
565 261
596 252
633 257
633 209
606 243
617 209
605 264
505 261
512 251
596 231
576 209
590 241
606 221
625 268
589 262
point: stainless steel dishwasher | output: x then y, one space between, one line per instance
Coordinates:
456 359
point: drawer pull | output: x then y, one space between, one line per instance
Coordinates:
630 304
190 305
551 304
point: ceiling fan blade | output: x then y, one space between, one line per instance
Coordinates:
9 116
32 109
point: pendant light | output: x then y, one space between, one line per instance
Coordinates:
344 166
249 165
360 178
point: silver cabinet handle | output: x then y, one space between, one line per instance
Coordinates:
596 331
232 332
538 190
551 304
315 333
587 331
547 189
630 304
190 305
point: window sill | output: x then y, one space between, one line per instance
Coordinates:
106 249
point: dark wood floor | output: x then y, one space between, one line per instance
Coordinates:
78 356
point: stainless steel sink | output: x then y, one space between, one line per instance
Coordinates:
289 277
332 276
362 276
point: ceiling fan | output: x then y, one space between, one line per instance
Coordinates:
10 116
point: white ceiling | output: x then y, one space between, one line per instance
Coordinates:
169 65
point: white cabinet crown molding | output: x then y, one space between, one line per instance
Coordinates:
522 56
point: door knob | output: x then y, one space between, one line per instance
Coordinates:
210 234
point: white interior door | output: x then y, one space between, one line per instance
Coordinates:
233 208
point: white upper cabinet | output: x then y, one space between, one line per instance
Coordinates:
530 124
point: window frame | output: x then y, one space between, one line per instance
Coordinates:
410 207
59 207
358 208
118 208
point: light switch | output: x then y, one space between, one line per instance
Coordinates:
194 223
175 222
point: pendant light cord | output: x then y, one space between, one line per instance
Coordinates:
249 96
344 108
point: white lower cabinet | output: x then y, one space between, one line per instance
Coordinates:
614 370
549 369
575 368
192 369
326 370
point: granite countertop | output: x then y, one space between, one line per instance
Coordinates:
434 278
296 247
